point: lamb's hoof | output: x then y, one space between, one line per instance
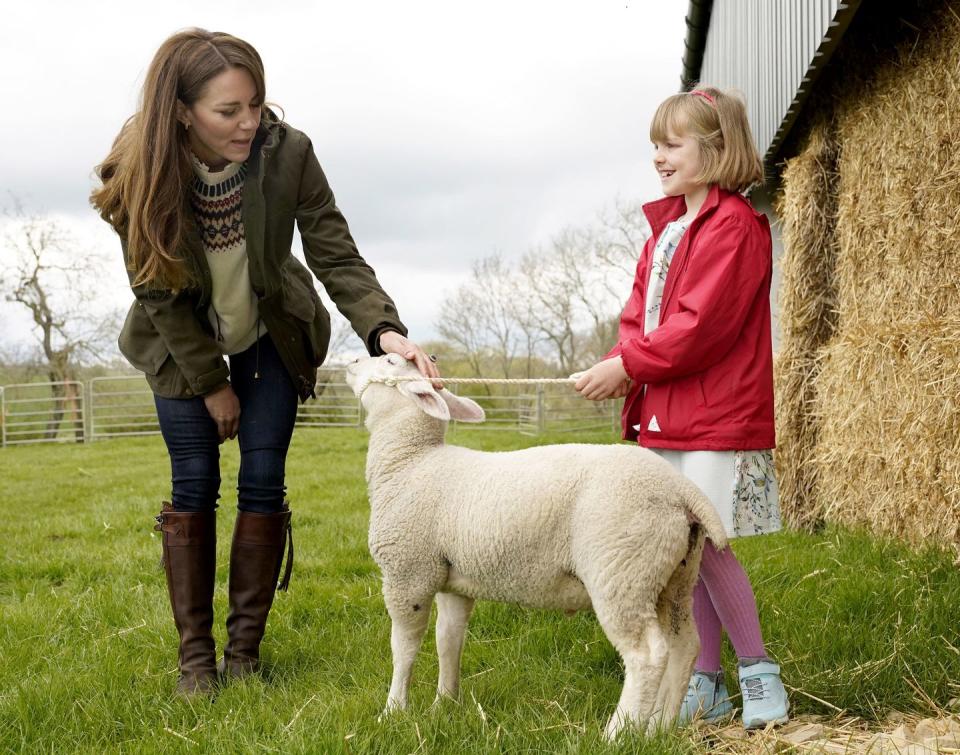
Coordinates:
444 697
618 723
391 709
612 730
659 723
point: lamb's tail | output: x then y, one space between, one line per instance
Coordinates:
701 510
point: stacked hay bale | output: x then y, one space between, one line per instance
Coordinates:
869 373
807 211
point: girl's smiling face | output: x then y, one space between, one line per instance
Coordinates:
677 162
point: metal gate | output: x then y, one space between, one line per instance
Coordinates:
42 413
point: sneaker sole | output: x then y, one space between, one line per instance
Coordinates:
764 724
711 716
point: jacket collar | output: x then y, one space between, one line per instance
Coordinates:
664 210
265 140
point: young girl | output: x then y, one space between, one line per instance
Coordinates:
203 186
694 360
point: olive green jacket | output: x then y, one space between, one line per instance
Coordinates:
167 334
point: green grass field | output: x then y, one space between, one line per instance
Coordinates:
88 645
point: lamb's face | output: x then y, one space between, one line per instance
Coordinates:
366 370
443 405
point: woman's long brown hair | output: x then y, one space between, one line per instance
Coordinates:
148 170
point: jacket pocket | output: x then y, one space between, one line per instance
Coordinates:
140 343
301 301
300 298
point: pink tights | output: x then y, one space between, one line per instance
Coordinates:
723 599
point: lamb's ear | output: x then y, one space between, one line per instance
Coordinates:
425 397
462 408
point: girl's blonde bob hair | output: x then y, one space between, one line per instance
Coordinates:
717 119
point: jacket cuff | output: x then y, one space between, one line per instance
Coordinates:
626 360
208 382
616 351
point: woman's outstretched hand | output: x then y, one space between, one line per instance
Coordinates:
606 379
393 342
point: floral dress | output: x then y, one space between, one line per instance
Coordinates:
742 485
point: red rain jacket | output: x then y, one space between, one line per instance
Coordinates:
708 367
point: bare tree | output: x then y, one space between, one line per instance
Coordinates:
561 301
57 285
580 283
460 325
480 318
550 288
623 232
615 247
343 340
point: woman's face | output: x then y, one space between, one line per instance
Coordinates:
222 123
677 162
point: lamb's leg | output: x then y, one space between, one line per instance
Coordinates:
644 651
674 610
684 644
453 613
409 617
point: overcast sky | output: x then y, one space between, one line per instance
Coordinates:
448 130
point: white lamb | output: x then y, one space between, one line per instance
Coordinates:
608 527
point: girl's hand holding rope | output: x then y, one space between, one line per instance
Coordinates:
606 379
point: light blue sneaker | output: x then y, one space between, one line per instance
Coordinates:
707 699
764 698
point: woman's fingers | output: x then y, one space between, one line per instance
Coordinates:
228 427
223 406
423 362
233 427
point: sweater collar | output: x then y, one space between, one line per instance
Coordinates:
208 177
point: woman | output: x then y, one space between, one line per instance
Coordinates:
203 186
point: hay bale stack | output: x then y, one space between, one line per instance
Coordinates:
807 211
890 430
877 399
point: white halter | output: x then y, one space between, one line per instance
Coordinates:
390 380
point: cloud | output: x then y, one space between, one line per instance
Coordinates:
448 131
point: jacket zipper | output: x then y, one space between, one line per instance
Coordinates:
263 172
256 369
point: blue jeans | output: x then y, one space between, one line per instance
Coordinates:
268 408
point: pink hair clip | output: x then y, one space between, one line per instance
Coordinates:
707 97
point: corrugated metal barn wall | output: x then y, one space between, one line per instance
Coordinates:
771 50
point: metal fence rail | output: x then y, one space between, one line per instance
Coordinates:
121 406
335 404
114 407
42 413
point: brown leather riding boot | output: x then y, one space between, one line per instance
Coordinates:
255 559
189 560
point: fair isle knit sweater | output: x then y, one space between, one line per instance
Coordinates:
217 205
